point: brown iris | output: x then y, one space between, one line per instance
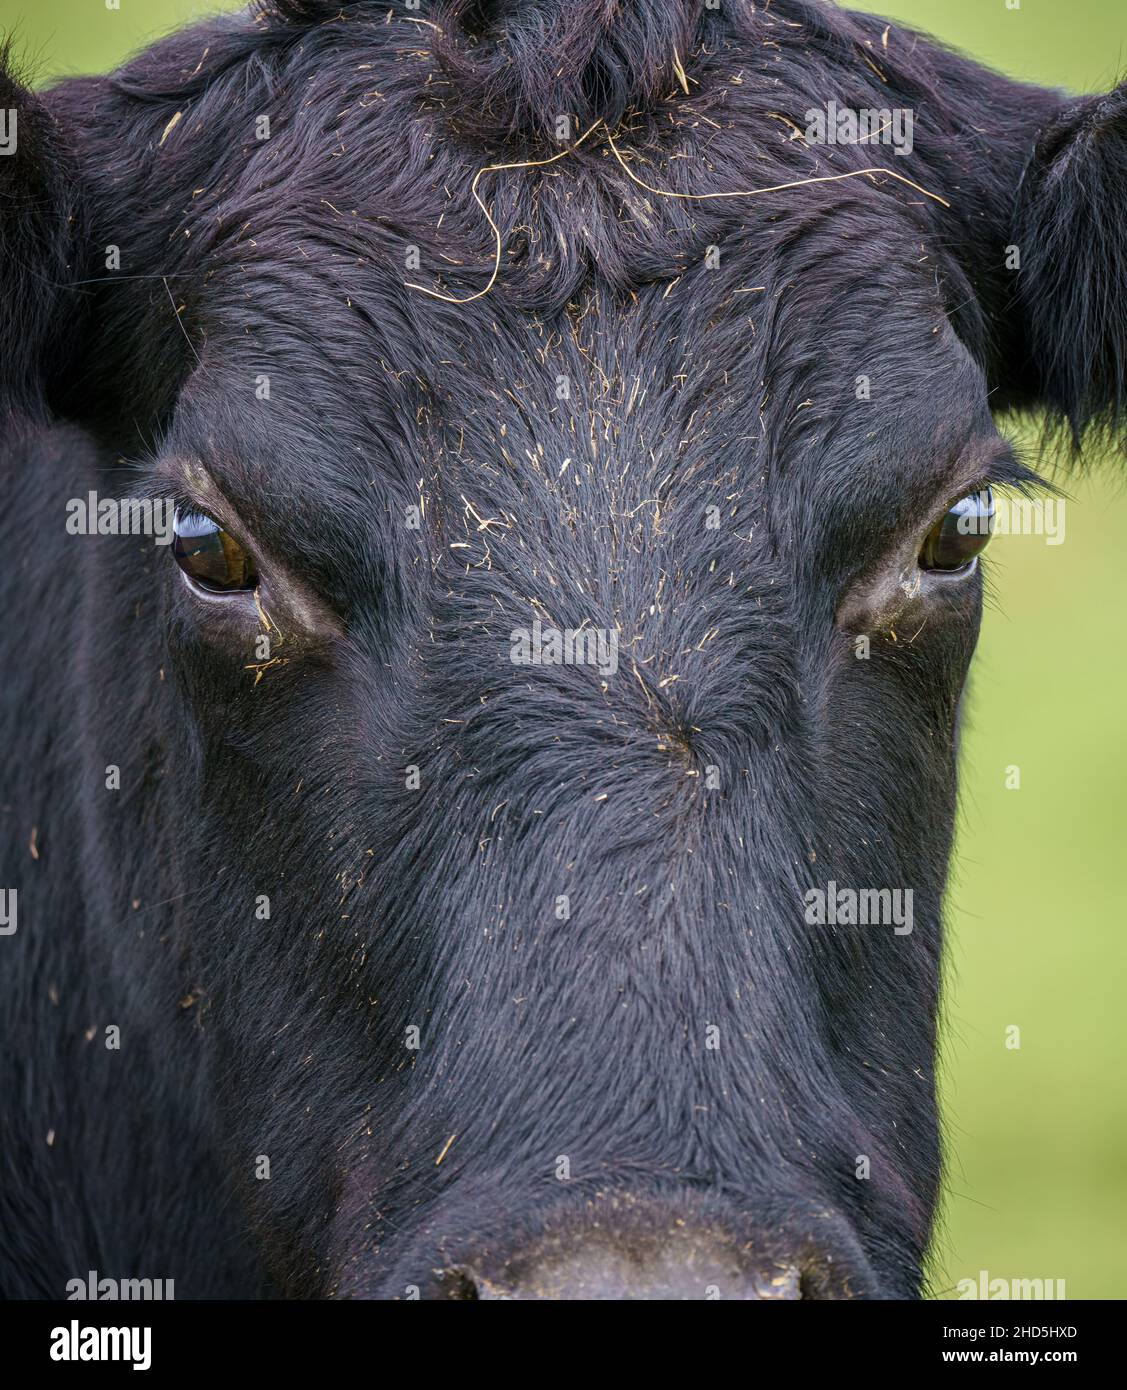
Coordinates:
960 535
209 555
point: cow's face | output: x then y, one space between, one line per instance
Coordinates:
561 664
574 706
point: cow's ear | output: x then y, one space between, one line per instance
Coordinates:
1067 321
39 213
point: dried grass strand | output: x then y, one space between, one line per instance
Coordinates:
494 169
773 188
871 173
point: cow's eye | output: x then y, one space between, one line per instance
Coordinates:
959 537
209 555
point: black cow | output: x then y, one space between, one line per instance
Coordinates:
426 866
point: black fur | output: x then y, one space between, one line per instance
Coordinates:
689 387
1074 283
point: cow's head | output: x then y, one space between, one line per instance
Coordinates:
558 626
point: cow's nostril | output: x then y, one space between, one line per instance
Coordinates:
601 1274
636 1250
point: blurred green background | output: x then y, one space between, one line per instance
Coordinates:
1037 1137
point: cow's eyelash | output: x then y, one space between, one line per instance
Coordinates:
1006 474
1022 481
155 482
176 491
186 503
1006 470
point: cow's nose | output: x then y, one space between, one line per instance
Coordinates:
604 1274
677 1248
688 1269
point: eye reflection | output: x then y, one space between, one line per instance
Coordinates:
210 556
961 534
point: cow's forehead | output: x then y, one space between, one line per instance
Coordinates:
727 385
483 329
